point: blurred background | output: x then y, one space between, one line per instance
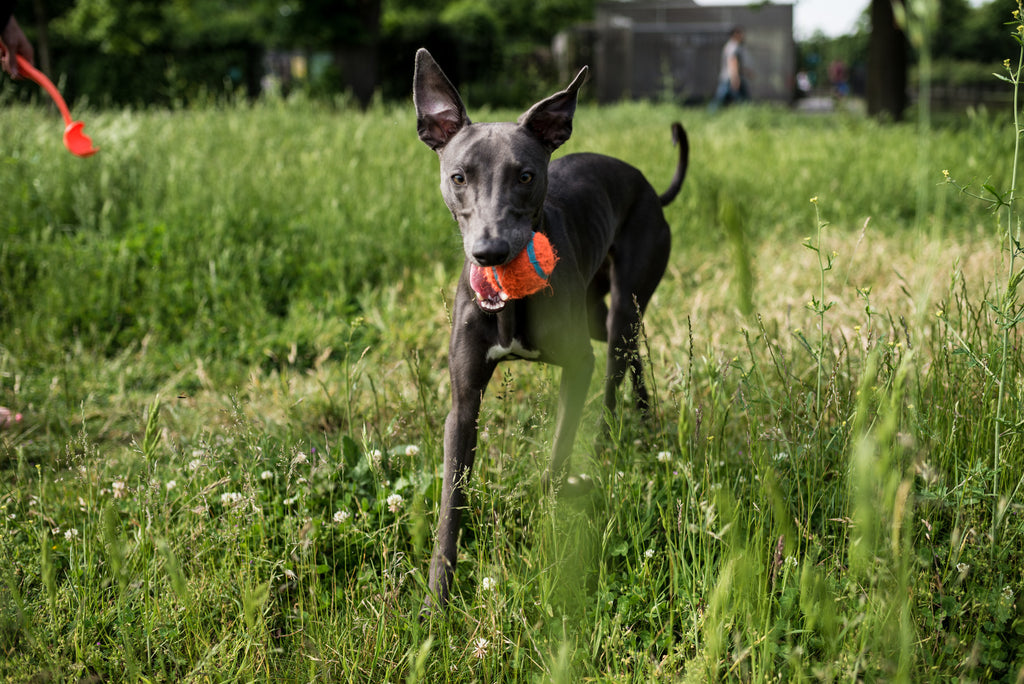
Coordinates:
816 53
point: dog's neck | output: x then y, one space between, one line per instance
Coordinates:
507 324
513 342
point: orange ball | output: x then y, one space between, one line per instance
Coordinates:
528 272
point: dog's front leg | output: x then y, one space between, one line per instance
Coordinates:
572 395
470 372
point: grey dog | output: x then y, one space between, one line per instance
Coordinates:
606 224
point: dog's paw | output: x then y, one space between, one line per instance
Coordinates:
578 486
571 487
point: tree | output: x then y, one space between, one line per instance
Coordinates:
988 35
350 31
950 37
131 51
39 25
887 63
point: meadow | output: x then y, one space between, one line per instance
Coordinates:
226 334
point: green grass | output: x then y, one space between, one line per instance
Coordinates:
227 333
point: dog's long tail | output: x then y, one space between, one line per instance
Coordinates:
679 137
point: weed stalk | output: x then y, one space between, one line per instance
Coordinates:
1008 314
817 304
1008 319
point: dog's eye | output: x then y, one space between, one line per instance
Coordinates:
526 177
458 179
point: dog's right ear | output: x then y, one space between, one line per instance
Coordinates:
440 113
550 120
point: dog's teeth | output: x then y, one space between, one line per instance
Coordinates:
503 296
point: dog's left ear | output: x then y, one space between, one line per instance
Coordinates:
550 120
440 113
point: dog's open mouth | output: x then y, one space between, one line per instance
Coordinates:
488 297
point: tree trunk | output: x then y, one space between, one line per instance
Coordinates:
887 63
357 60
42 42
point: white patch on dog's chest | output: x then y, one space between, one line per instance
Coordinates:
516 351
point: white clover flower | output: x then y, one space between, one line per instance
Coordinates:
488 583
170 485
118 488
395 502
481 647
412 450
70 533
290 501
962 568
664 456
649 553
341 516
266 475
195 464
230 498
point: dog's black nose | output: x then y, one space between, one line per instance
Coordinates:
491 251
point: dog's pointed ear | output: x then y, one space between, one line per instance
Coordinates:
440 113
550 120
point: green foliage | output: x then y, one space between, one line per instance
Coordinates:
119 27
489 49
169 53
126 28
974 34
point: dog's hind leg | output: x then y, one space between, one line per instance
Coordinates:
635 273
623 352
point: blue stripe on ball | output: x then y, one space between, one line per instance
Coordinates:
533 260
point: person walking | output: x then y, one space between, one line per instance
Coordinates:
732 84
